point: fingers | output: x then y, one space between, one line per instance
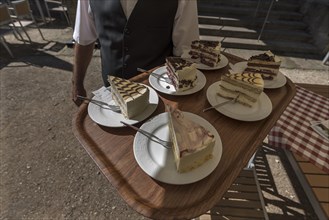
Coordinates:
78 91
77 102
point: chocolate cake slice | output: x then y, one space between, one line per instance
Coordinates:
267 64
181 72
208 52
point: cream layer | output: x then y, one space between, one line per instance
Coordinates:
192 143
182 72
132 97
252 82
237 89
266 70
212 58
243 99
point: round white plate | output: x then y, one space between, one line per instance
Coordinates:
109 118
278 82
159 163
261 109
166 88
223 61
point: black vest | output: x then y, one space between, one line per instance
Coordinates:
144 41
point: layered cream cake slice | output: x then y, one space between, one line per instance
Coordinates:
207 51
247 85
132 97
192 143
267 64
181 72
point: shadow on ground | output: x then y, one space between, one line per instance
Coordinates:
44 54
290 204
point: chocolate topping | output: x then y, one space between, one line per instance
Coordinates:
207 43
126 87
178 63
263 57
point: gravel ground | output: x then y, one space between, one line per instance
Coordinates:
46 174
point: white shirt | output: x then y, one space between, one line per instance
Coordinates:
185 28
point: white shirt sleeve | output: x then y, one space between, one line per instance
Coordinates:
186 26
84 29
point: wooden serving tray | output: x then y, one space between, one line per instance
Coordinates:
112 150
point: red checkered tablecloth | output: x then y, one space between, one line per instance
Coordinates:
294 132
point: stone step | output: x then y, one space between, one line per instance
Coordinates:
252 22
238 12
280 5
287 47
248 33
236 25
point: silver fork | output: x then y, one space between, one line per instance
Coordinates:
166 144
155 75
101 104
231 66
223 103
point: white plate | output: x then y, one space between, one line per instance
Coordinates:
278 82
222 63
109 118
158 162
261 109
166 88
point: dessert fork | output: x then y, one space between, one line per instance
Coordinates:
155 75
101 104
231 66
223 103
166 144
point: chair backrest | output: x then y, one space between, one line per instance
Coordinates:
4 14
22 8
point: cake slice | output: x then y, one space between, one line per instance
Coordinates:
132 97
181 72
192 143
247 85
207 51
267 64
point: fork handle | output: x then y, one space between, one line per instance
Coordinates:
140 130
155 75
218 105
92 100
149 72
143 70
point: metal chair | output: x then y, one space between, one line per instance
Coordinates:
243 200
326 58
7 26
58 6
24 16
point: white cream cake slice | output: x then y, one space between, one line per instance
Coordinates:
132 97
193 144
247 85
